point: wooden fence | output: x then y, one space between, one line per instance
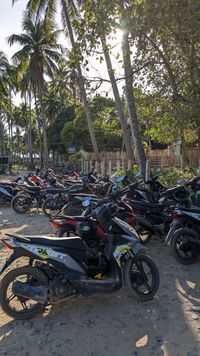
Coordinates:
112 161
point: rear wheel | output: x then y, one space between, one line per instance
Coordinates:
51 206
63 233
19 307
141 277
145 235
185 251
21 203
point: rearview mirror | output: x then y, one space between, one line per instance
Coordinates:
86 203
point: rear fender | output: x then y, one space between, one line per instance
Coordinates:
8 262
175 225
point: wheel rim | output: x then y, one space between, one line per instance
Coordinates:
17 303
142 277
21 204
184 248
52 208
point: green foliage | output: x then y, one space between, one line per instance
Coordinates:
76 157
169 176
62 119
106 126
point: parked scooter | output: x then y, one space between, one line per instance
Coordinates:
62 267
184 235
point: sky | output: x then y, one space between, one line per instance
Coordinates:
10 22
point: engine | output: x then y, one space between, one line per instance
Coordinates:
60 289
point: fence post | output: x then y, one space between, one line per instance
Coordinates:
90 165
110 167
162 162
129 165
147 170
118 165
103 166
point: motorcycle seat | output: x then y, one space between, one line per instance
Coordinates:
142 205
192 209
55 191
69 217
34 190
74 242
85 195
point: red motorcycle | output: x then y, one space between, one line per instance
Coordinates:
88 228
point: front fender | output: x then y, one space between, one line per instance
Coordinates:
123 252
138 247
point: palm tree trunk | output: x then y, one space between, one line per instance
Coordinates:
26 117
119 105
30 131
1 134
131 104
10 123
39 130
44 132
81 84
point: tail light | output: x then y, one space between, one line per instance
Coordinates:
174 214
7 245
56 223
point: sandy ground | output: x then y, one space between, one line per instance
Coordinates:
108 325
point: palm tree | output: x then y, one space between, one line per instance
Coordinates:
62 84
68 11
4 97
38 56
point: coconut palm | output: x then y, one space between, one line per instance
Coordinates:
4 98
39 54
68 12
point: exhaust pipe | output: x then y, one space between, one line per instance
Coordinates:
39 294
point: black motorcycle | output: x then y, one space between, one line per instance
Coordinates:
184 235
63 267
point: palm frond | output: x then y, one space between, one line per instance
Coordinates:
22 55
21 39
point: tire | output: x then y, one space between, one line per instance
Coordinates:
145 235
21 203
9 277
72 209
50 204
63 233
134 280
184 251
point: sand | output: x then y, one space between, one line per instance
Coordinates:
107 325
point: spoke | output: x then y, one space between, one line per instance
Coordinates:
23 305
146 284
12 296
141 268
149 273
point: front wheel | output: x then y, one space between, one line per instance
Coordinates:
21 203
141 277
183 249
19 307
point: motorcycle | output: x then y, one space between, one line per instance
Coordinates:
63 267
183 237
73 206
86 226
